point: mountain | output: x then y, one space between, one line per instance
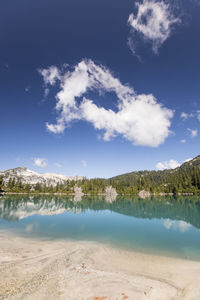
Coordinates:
193 163
185 178
27 176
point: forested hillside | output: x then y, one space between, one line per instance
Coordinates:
184 179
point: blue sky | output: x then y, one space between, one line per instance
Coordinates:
118 128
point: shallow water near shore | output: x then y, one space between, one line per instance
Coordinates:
164 225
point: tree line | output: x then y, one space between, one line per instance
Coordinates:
185 179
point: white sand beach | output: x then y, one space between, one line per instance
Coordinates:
35 269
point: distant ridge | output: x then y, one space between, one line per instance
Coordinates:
27 176
195 162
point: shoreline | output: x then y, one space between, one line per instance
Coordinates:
85 194
45 269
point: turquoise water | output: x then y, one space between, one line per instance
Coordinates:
168 226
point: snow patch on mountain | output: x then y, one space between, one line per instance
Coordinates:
27 176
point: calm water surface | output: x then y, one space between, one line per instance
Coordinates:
168 226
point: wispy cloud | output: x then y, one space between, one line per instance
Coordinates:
84 163
198 115
186 116
40 162
27 88
193 132
183 141
140 119
194 114
46 92
58 165
152 23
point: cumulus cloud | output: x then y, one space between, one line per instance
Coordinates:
170 164
182 226
152 23
40 162
193 132
140 119
84 163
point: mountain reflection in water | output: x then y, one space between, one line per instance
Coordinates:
186 209
165 225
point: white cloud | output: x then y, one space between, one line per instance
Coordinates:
194 114
193 132
183 141
182 226
40 162
170 164
198 115
58 165
188 159
153 22
50 75
84 163
186 116
139 118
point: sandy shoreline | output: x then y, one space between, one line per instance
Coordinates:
35 269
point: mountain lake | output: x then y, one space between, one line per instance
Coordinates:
167 226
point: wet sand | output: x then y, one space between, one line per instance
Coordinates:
36 269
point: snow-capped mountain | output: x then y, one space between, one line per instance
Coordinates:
30 177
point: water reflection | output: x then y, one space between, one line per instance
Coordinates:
182 226
179 213
158 225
